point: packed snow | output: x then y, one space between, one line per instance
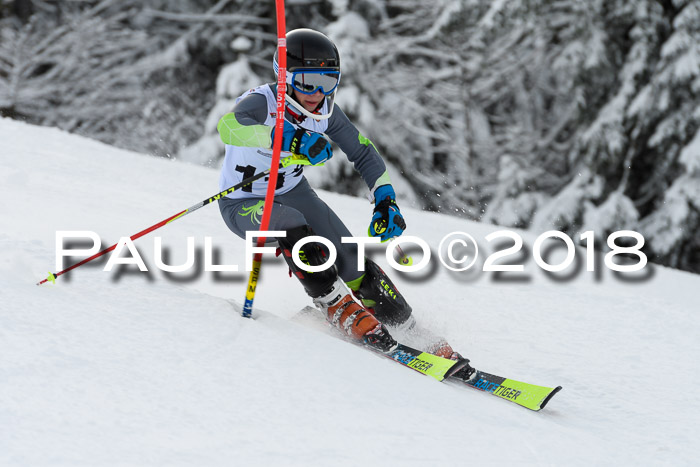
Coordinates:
148 368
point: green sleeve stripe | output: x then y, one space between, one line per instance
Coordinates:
382 180
250 136
366 141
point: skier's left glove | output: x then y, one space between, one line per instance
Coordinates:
387 221
307 143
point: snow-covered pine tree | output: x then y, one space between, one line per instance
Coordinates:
125 72
641 142
670 104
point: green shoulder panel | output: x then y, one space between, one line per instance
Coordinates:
251 136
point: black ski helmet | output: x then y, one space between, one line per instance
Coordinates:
310 50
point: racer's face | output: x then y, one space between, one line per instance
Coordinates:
309 102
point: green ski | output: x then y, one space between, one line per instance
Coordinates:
526 395
423 362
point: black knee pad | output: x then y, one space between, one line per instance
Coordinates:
390 306
313 254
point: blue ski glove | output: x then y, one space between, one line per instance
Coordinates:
307 143
387 221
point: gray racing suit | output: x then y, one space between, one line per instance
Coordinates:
247 135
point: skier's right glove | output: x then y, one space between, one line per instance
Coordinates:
387 221
307 143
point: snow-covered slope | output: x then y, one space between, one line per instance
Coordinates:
151 369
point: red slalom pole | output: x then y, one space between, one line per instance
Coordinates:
276 151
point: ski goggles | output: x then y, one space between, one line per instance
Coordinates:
311 81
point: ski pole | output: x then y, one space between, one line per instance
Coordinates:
247 310
294 159
403 257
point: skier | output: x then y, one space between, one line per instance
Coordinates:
313 75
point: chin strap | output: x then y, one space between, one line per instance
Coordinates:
298 117
298 110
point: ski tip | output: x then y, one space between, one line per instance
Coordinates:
549 397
